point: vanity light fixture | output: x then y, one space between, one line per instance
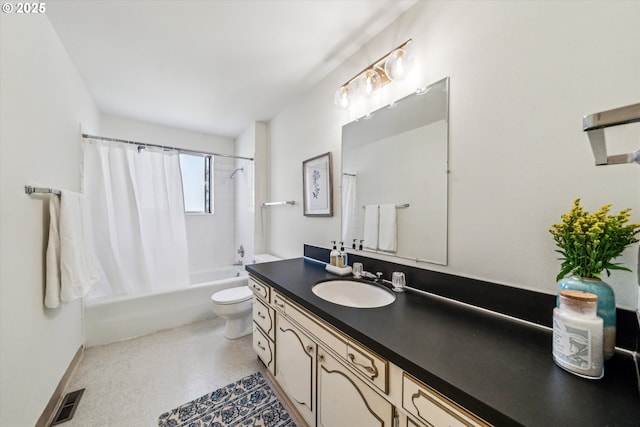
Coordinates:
395 65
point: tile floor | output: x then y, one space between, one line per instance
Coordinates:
130 383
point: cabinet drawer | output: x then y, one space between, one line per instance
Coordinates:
433 409
371 366
263 346
279 302
328 337
259 289
264 316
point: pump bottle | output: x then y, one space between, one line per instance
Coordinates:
333 256
342 256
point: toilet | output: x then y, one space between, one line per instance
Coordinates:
235 306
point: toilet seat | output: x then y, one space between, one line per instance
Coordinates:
232 295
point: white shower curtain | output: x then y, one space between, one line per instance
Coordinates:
349 212
137 210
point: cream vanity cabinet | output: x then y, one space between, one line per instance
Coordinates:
334 381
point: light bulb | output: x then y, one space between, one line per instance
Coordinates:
341 98
398 64
368 82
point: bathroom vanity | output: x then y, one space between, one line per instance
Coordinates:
420 361
332 379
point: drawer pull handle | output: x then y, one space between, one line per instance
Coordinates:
261 347
321 358
279 304
309 349
260 315
371 370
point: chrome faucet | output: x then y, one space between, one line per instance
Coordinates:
377 278
371 276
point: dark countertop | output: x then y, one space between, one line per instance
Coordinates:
499 369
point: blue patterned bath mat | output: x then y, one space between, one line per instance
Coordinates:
247 402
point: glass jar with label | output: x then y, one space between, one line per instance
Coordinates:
577 334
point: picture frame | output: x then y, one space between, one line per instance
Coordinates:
317 185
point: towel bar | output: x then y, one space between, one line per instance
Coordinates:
403 206
30 189
595 124
288 202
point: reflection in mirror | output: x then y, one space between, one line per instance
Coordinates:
394 177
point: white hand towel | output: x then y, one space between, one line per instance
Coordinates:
52 279
71 263
370 234
387 230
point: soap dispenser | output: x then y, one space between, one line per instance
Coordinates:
333 256
342 256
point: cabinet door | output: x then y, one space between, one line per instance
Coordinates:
295 367
344 400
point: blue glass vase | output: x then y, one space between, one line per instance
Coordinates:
606 306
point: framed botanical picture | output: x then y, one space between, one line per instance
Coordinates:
317 186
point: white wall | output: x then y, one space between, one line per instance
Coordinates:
522 76
210 237
261 195
152 133
249 184
43 103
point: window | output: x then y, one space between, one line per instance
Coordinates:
196 183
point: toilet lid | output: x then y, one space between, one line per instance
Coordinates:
232 295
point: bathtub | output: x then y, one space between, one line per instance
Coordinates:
111 319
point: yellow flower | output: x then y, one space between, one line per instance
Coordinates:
580 235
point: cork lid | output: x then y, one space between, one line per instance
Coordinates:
579 295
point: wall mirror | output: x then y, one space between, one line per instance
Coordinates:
398 155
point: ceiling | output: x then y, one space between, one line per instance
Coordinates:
212 66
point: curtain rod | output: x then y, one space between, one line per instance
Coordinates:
164 147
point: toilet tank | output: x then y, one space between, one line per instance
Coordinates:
260 258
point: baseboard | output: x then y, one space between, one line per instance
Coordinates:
50 410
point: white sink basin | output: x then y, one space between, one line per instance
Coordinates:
353 294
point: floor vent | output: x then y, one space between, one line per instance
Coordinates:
67 407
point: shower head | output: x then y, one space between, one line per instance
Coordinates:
235 171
